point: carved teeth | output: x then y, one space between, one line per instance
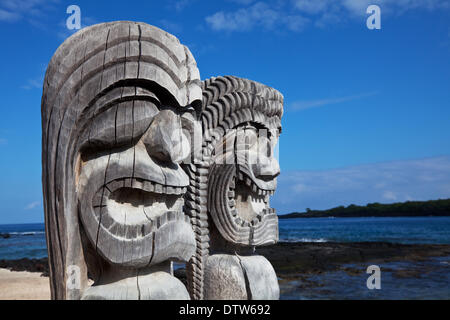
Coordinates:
253 186
138 184
148 186
144 185
158 188
128 182
171 190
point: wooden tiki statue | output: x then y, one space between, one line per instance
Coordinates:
119 102
228 198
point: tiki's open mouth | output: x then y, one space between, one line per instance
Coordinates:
138 202
250 201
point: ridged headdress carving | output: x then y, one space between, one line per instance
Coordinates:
229 103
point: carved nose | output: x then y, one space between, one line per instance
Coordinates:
267 167
164 139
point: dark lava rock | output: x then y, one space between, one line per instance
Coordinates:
405 273
30 265
5 235
291 259
353 271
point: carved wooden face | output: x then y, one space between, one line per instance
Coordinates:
131 185
256 175
241 208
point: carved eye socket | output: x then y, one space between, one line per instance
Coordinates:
121 124
257 141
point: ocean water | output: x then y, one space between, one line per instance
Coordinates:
28 240
405 230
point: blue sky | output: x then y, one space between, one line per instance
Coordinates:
367 112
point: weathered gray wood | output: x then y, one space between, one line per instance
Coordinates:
224 278
108 204
236 193
120 104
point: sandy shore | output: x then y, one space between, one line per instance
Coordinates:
23 286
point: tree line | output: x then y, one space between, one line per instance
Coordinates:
438 208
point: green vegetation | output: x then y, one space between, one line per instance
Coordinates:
406 209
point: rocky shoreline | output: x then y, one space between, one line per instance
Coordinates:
29 265
293 260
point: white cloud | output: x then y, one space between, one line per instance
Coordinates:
396 181
31 10
389 196
243 19
33 205
181 4
311 7
358 7
308 104
259 14
36 13
8 16
34 84
295 15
